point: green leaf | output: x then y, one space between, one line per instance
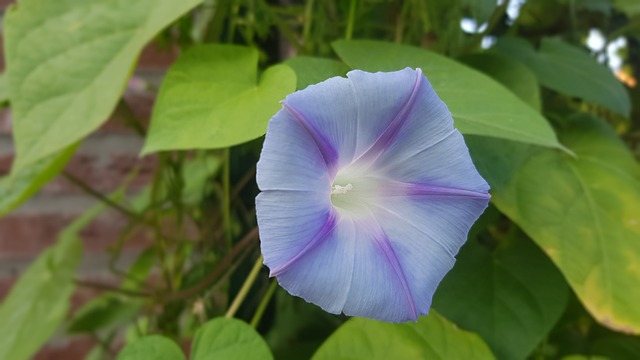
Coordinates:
211 98
629 7
617 347
312 70
432 337
20 185
512 297
39 301
299 327
68 62
4 89
227 338
104 312
480 105
583 211
569 70
154 347
511 73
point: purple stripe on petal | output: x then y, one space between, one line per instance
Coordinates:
410 189
390 132
322 234
329 153
385 247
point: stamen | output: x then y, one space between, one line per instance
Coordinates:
337 189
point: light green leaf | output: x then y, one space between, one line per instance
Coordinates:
432 337
230 339
569 70
154 347
20 185
480 105
39 301
211 98
583 211
68 62
4 89
514 75
512 297
312 70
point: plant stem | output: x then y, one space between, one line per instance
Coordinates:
306 29
351 19
226 197
224 264
244 290
255 320
106 287
91 191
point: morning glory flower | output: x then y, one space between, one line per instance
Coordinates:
368 192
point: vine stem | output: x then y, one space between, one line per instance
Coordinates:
226 197
244 290
219 270
255 320
352 17
110 203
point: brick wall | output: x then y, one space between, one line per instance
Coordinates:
103 160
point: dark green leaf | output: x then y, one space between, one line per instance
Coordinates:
511 297
68 62
569 70
480 105
432 337
103 313
629 7
583 211
211 98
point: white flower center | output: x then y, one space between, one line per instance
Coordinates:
337 189
354 190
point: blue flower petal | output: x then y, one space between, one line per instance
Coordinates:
289 159
331 121
445 163
384 100
290 224
368 194
380 287
324 276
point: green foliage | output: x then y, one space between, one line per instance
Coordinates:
432 337
152 347
510 73
480 105
569 70
225 338
39 301
511 296
211 98
20 185
68 62
565 213
582 210
311 70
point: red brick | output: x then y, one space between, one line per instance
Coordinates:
153 56
24 236
5 121
68 348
